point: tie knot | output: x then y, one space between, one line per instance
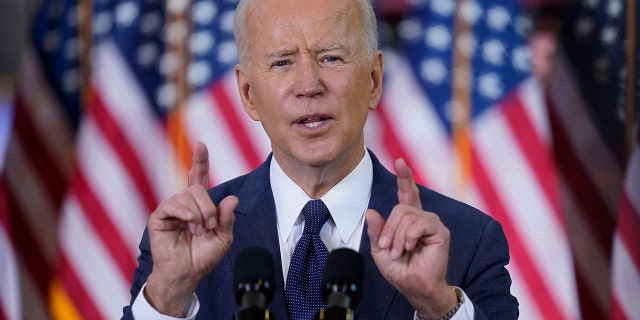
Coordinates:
315 214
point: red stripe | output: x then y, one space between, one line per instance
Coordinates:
535 151
120 144
31 254
102 226
394 146
236 126
592 207
75 290
43 164
616 312
537 287
628 229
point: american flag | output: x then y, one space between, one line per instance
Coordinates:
459 104
38 160
587 112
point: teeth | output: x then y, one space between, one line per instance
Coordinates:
313 124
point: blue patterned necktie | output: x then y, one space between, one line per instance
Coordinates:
307 265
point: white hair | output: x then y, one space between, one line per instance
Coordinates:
369 27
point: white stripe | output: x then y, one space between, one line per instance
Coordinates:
91 262
226 160
418 127
10 299
625 279
111 184
632 180
528 308
47 116
571 110
254 128
530 211
532 97
125 100
30 195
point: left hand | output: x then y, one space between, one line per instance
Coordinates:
411 249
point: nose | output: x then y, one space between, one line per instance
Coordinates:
309 82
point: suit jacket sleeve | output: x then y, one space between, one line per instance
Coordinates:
145 264
487 281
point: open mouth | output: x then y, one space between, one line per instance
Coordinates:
312 122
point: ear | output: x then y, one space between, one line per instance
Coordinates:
377 68
242 81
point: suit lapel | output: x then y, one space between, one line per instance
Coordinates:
256 225
377 292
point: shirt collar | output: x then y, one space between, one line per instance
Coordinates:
347 200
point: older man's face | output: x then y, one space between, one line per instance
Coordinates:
309 80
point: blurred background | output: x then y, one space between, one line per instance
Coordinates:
524 109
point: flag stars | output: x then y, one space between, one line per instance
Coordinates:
150 23
433 70
70 80
608 35
410 29
438 37
521 58
204 12
177 6
167 95
443 7
126 13
51 40
71 49
493 52
470 11
489 85
614 8
72 16
147 54
591 3
198 73
227 21
584 26
201 42
498 18
102 23
227 52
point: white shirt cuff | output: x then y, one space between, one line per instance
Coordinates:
465 312
141 309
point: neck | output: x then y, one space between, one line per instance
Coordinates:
315 180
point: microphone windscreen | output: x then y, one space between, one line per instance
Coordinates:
344 265
254 264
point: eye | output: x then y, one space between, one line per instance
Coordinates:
280 63
331 59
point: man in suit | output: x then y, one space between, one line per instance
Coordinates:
310 71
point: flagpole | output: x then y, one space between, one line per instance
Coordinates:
85 36
460 109
177 31
630 83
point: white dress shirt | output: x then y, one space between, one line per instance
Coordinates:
347 202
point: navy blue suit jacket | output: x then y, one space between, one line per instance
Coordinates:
477 256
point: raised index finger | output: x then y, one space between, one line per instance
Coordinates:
199 173
407 188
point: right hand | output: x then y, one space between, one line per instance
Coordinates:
188 235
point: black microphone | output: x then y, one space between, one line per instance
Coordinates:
254 282
341 285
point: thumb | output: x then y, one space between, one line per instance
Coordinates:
225 213
199 172
375 223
